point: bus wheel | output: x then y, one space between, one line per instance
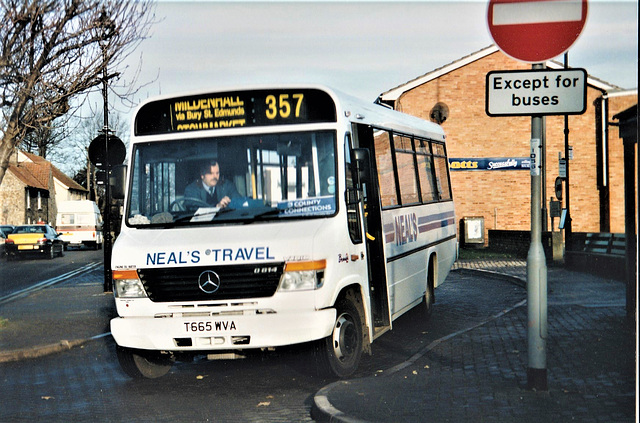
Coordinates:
138 365
341 351
427 302
429 296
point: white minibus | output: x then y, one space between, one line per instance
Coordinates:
329 218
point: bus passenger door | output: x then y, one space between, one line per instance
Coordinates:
376 260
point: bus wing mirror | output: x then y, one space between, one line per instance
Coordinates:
118 181
363 164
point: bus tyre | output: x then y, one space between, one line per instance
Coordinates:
139 365
341 351
429 295
427 303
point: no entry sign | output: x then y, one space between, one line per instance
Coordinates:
536 30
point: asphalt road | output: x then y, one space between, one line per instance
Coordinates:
29 270
87 384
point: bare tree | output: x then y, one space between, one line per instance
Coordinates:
41 141
52 51
74 149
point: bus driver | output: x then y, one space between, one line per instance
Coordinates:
210 189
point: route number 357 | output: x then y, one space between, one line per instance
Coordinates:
283 105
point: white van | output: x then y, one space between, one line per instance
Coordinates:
80 223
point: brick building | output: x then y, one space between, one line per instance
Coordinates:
503 197
31 188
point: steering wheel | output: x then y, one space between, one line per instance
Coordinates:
186 204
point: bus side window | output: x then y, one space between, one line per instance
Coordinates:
406 170
351 192
442 171
384 163
428 187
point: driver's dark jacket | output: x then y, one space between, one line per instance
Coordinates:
223 189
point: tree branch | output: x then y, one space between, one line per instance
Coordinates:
55 50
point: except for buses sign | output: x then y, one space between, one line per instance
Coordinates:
536 30
536 92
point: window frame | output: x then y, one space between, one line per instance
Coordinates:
432 154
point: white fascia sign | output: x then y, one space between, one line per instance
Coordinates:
536 92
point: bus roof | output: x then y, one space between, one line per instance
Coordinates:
264 105
383 117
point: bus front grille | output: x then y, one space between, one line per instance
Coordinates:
210 283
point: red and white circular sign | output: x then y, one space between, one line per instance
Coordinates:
536 30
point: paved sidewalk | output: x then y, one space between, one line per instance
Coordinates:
479 375
513 268
56 318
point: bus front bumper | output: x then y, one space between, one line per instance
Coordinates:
222 332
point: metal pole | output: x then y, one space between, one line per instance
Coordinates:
567 222
106 230
545 213
536 270
630 225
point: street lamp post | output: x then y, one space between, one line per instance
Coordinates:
567 225
107 27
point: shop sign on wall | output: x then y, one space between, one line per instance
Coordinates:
490 163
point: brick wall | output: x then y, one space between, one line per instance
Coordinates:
41 207
503 197
518 243
12 198
616 169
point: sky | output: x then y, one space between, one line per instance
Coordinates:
362 48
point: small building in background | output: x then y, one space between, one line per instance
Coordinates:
31 188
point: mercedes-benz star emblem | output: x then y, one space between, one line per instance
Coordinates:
209 281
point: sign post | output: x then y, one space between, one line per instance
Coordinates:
536 270
534 31
105 151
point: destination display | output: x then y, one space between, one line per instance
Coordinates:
235 110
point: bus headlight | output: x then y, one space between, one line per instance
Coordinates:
303 275
126 284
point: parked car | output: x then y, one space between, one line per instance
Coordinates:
7 229
30 239
3 237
